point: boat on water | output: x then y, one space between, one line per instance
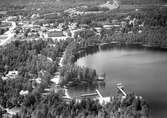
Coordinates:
101 77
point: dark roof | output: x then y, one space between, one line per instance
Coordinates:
55 34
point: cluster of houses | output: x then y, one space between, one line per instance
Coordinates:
28 28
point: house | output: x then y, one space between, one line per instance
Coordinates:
56 35
24 92
11 75
127 18
96 96
140 31
133 22
37 80
49 59
108 26
123 23
35 16
93 12
98 29
136 9
11 18
73 32
56 79
130 32
103 100
66 94
73 11
83 26
11 112
3 12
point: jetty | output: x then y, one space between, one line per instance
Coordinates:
97 96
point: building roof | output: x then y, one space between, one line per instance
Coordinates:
55 34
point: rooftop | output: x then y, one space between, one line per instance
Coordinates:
55 34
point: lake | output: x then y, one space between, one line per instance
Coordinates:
141 71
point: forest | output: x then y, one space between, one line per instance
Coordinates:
36 59
78 76
53 106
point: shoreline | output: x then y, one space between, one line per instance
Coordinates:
91 49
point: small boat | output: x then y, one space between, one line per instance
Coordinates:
101 77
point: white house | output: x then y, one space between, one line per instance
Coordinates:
108 26
24 92
12 74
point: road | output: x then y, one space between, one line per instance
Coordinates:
10 33
56 78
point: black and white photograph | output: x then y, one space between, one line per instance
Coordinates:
83 58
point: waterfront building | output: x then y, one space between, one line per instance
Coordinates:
11 75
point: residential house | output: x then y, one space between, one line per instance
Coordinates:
56 35
24 92
108 26
98 29
11 75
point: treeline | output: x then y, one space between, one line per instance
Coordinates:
87 43
152 17
53 106
73 75
142 2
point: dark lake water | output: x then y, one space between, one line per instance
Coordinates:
142 71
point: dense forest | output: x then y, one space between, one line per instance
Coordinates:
36 59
